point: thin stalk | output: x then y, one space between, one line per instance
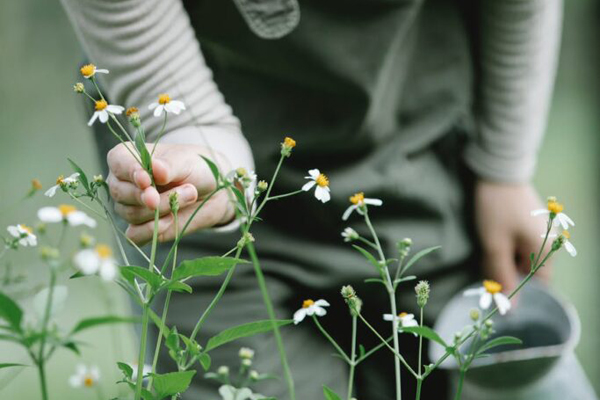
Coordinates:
461 379
269 305
42 375
332 341
142 355
281 196
160 133
373 350
41 359
352 359
367 242
420 341
115 134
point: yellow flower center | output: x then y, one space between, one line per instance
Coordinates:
131 110
36 184
103 251
357 199
88 381
101 105
566 234
492 287
88 70
66 209
60 179
26 229
307 303
555 207
322 180
164 99
402 314
289 142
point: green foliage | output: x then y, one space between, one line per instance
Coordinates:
499 341
242 331
330 394
369 257
11 312
206 266
131 272
426 332
171 383
93 322
82 176
418 256
213 168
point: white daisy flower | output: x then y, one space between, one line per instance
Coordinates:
97 260
564 238
65 213
24 234
349 234
229 392
359 202
85 377
554 209
491 290
90 70
61 181
102 111
310 308
316 178
405 320
167 105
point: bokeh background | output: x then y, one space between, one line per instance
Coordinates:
41 123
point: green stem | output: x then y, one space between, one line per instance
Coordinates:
331 340
419 384
373 350
420 341
41 359
115 134
368 242
461 379
281 196
269 305
42 375
352 358
142 354
162 131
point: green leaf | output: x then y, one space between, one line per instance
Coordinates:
159 324
205 361
206 266
368 256
241 199
213 168
131 272
420 255
330 394
375 280
11 312
361 351
241 331
426 332
10 365
72 346
176 286
145 157
96 321
499 341
82 176
126 369
172 383
78 274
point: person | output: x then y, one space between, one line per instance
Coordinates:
436 107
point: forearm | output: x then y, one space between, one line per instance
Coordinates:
520 41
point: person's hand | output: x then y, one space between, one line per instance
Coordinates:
507 231
177 168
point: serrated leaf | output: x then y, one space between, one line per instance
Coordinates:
131 272
368 256
10 312
241 331
126 369
426 332
82 176
418 256
93 322
330 394
172 383
206 266
213 168
499 341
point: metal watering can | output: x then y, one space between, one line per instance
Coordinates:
543 367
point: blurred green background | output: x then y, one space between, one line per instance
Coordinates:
41 123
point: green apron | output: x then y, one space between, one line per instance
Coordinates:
377 94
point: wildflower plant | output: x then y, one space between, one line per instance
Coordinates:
90 204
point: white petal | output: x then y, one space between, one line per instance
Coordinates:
227 392
349 211
49 214
564 220
502 302
152 106
171 108
474 292
158 110
72 177
52 191
569 220
101 71
322 193
540 211
389 317
322 303
103 115
14 231
76 381
299 316
115 109
409 323
93 119
77 218
314 173
309 185
485 301
178 104
570 248
373 202
108 270
87 261
95 373
31 240
320 311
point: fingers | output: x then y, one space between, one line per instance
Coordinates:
500 265
176 163
216 211
138 212
125 167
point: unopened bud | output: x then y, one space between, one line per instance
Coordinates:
86 240
78 87
404 246
254 375
287 146
247 238
36 184
246 362
489 323
262 186
174 202
223 370
49 253
98 178
133 114
350 235
241 172
354 302
422 290
246 353
474 314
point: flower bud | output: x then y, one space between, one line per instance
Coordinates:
474 314
262 186
223 370
41 228
78 87
49 253
422 290
246 353
86 240
98 179
354 302
247 238
489 323
254 375
404 246
134 116
246 362
36 184
350 235
287 146
174 202
241 172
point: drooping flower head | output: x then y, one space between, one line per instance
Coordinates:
23 234
359 203
554 210
321 184
349 234
89 70
405 320
63 183
490 291
167 105
563 240
310 308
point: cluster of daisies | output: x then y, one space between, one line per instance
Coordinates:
103 111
